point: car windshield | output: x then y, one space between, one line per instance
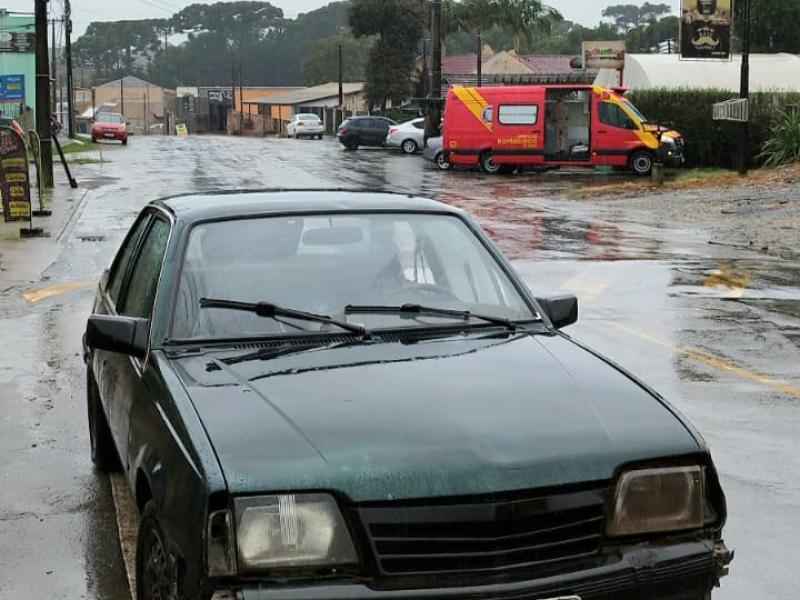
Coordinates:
109 118
325 264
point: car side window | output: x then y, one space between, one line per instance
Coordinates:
419 124
613 115
124 256
141 291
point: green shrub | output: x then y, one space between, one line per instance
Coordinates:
712 143
784 144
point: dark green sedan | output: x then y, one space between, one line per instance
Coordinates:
337 395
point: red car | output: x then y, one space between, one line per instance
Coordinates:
110 126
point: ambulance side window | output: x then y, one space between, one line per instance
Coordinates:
613 115
518 114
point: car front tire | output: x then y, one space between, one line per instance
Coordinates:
443 162
104 454
156 571
409 146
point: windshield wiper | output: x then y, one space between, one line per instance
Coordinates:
418 309
271 311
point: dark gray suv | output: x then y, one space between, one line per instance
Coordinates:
364 131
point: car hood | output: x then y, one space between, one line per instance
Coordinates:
391 420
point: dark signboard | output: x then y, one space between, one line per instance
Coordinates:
15 186
17 41
706 28
12 88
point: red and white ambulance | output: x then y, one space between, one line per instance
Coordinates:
544 126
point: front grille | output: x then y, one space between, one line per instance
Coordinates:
545 533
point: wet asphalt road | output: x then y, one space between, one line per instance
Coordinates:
715 329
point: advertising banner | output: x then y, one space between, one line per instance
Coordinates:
15 185
706 29
12 88
604 55
17 41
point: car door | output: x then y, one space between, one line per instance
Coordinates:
111 286
615 134
136 300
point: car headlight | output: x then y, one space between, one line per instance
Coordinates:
286 531
659 501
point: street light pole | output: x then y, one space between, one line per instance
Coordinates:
744 131
43 94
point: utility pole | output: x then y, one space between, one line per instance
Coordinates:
480 57
341 80
43 94
122 92
70 83
433 114
53 70
744 131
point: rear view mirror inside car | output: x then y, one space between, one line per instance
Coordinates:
335 236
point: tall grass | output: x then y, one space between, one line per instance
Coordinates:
784 144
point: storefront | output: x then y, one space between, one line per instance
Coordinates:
17 65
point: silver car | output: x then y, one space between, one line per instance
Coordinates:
305 125
434 152
409 136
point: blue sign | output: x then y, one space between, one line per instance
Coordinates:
12 88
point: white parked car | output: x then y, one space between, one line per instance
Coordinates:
410 136
305 125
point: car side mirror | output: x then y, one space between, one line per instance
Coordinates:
562 310
122 335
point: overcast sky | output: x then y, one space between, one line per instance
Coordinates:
586 12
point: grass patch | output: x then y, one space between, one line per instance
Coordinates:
78 147
85 160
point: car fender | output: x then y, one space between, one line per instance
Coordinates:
170 449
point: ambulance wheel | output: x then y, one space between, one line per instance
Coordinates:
641 163
488 165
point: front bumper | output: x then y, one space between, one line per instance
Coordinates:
680 571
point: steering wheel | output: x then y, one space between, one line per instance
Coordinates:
430 290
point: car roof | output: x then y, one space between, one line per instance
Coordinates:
232 204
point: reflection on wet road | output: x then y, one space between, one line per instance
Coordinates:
715 329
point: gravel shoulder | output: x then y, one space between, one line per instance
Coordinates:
759 212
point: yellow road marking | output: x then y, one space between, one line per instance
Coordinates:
57 289
587 290
713 361
726 277
127 522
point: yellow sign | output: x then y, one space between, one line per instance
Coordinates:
16 177
19 210
14 163
181 130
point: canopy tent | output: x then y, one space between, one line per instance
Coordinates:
768 72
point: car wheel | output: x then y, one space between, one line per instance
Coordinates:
104 454
642 162
443 162
352 145
125 142
94 140
156 574
488 165
409 146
